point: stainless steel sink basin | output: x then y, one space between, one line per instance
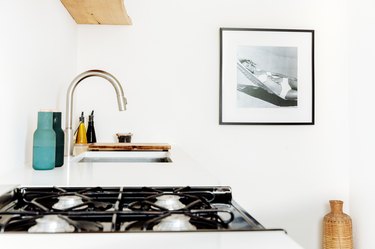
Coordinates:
125 157
124 160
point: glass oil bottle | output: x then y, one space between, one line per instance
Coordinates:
91 136
81 131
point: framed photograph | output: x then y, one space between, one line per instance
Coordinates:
266 76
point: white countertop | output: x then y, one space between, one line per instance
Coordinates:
180 240
181 172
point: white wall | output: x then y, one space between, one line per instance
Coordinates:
168 63
362 116
37 61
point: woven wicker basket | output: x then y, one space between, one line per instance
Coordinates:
337 230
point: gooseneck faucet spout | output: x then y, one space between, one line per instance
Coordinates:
69 102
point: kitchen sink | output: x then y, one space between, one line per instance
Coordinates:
125 157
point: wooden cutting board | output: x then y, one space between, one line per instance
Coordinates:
128 147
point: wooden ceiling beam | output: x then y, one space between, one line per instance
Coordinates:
104 12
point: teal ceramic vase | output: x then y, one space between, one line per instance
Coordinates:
44 143
59 157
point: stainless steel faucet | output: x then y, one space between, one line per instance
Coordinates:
69 102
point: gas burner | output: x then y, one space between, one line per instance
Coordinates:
170 202
175 222
69 201
51 224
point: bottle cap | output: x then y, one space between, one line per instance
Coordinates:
91 117
82 118
47 110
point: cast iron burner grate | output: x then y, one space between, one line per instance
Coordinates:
25 222
125 209
44 200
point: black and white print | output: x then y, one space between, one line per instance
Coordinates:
267 77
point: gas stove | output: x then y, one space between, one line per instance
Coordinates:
123 209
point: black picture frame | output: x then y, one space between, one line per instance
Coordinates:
266 77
